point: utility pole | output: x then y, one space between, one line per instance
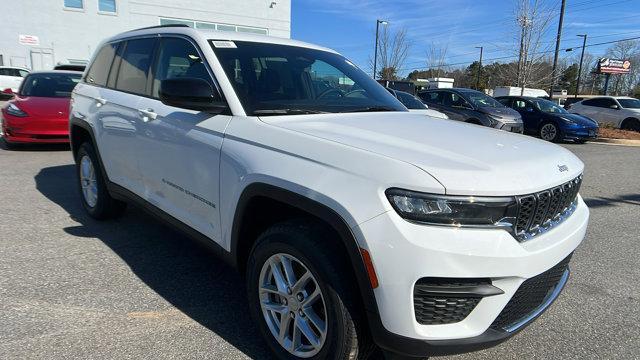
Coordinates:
524 22
584 44
375 55
555 57
479 68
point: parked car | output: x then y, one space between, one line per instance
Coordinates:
619 111
10 79
473 107
549 121
354 221
39 112
415 105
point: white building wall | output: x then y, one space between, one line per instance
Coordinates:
69 34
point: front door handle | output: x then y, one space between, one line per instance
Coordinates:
101 101
147 114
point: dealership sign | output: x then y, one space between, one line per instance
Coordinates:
28 40
613 66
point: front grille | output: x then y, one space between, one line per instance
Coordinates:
540 211
530 295
438 309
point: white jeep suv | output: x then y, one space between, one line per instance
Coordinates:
360 226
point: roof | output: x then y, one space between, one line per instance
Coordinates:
207 34
44 72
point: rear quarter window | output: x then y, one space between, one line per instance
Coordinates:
99 70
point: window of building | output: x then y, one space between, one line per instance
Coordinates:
74 4
108 6
176 22
252 30
134 68
214 26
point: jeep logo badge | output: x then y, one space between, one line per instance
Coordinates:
563 168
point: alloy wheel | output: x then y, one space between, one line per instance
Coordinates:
548 132
293 305
88 181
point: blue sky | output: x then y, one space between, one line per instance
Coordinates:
460 25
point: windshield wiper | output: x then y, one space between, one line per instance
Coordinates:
266 112
372 109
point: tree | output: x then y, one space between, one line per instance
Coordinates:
569 78
436 55
533 18
472 74
393 50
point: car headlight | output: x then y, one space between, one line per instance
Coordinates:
567 120
13 109
454 210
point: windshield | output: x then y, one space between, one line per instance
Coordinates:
629 103
410 101
548 106
49 85
273 79
479 99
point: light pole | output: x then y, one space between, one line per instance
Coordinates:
584 44
555 57
479 68
375 55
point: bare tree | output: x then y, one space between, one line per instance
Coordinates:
393 50
533 20
436 55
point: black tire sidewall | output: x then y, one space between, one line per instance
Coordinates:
100 210
274 243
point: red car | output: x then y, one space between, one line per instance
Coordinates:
39 112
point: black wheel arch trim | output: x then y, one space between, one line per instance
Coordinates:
321 211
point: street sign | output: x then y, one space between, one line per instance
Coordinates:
30 40
613 66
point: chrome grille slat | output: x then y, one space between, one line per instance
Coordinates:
542 210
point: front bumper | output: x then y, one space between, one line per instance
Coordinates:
404 252
579 133
510 127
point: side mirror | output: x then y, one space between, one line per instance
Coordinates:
7 91
191 93
615 107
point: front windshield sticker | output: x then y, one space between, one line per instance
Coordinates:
224 44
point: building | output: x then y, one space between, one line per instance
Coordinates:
39 34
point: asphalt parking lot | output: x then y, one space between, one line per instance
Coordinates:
74 288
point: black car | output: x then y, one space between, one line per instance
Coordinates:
473 107
549 121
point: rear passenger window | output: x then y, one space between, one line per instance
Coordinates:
178 58
134 67
99 70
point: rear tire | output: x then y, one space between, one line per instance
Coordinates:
631 125
549 132
305 245
94 195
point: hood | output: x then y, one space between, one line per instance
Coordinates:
466 159
46 107
503 113
578 119
429 112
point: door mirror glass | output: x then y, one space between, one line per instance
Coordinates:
614 106
191 93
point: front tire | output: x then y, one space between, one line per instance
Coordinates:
301 296
549 132
95 197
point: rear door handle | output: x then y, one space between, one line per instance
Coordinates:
147 114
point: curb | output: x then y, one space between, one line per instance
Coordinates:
625 142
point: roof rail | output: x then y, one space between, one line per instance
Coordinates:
161 26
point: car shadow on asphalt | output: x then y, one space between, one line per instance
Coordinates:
630 199
33 147
189 277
